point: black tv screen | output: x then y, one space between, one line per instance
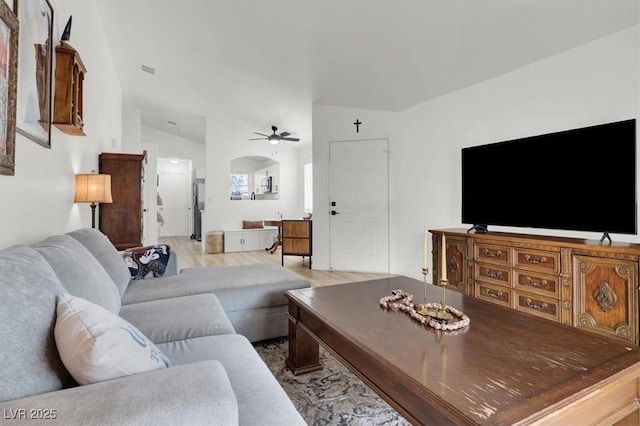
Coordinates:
581 180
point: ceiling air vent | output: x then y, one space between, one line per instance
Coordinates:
148 69
173 123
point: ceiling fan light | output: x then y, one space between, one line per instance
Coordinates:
274 141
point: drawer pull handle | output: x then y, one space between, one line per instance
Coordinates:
533 283
540 307
493 274
490 253
495 295
530 259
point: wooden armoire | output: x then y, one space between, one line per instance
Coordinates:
121 220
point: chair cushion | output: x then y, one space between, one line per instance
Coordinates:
30 362
96 345
79 271
105 252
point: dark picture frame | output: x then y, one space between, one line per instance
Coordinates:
9 35
35 70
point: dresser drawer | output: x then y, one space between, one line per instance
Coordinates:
532 282
295 246
537 305
494 294
492 254
535 260
493 273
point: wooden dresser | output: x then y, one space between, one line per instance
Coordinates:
573 281
121 220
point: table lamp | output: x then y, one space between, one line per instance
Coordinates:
93 188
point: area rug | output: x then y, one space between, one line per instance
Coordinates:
331 396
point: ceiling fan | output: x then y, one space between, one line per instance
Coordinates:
275 138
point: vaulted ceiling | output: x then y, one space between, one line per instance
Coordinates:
266 62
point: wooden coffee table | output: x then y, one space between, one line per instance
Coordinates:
505 368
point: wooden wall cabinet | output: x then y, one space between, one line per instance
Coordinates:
296 238
572 281
69 81
121 220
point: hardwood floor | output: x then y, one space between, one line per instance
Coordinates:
190 255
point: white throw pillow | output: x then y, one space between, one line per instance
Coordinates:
96 345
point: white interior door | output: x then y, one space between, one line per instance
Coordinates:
359 193
174 192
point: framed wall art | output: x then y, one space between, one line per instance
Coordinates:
35 70
8 85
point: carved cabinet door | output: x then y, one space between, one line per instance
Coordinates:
458 267
604 296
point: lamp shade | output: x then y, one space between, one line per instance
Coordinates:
93 188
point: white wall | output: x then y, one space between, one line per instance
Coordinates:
305 155
38 200
226 141
167 166
158 144
171 146
591 84
131 124
336 124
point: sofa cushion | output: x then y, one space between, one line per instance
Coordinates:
79 271
30 362
178 318
261 323
105 252
192 394
236 287
96 345
261 399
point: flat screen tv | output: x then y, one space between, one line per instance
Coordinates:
578 180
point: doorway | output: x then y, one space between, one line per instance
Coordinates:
359 197
174 187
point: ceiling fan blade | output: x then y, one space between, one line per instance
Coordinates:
291 139
284 134
261 134
259 139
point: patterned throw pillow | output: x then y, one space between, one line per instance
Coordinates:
147 261
96 345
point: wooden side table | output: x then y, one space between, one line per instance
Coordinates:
296 239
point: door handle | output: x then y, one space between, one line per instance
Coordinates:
333 212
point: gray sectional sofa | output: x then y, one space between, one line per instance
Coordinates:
202 320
